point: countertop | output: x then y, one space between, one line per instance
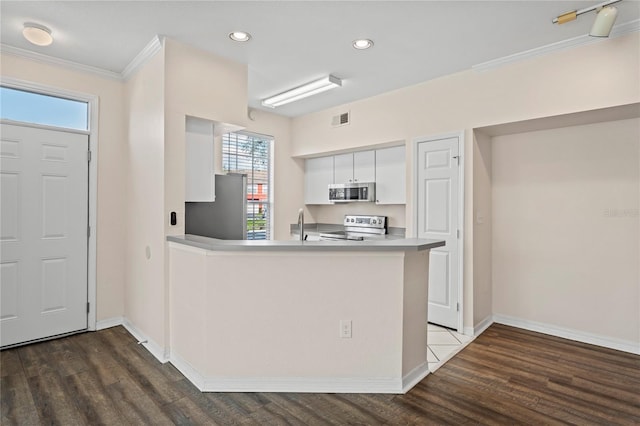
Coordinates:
403 244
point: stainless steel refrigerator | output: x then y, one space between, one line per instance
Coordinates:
225 218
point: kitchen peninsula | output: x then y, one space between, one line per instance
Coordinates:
325 316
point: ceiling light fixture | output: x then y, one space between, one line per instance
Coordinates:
240 36
362 44
605 18
37 34
306 90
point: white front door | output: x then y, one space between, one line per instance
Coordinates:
43 233
437 173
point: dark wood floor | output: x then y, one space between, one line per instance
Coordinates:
506 376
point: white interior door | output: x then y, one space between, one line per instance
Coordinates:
438 219
43 233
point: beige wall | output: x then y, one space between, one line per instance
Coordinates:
565 228
111 165
178 81
335 213
560 83
482 298
202 85
144 281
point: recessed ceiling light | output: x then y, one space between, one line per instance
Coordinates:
240 36
362 44
37 34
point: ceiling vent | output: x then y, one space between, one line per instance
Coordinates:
340 120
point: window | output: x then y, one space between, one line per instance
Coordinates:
250 154
29 107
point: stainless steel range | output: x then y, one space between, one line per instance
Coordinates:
359 228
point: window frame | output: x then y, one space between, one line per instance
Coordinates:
253 137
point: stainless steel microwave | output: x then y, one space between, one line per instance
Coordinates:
352 192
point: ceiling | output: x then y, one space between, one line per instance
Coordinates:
294 42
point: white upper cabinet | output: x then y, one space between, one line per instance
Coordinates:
199 165
391 187
355 167
318 174
364 166
343 168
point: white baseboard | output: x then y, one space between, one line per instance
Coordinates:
483 325
155 349
109 322
290 384
188 371
568 333
414 376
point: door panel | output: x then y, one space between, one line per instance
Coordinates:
9 224
438 219
44 211
439 267
9 290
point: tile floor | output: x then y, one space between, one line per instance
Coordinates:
443 344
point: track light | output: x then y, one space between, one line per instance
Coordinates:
309 89
603 24
605 18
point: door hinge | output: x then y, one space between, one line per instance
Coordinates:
88 306
88 156
457 157
458 233
88 231
458 307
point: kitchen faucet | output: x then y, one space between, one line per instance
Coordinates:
301 223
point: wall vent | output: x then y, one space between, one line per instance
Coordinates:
340 120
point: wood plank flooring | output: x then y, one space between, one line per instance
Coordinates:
506 376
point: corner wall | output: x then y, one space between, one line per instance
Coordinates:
482 219
565 229
144 297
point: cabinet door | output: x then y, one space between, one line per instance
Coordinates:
391 185
343 168
364 166
318 174
199 167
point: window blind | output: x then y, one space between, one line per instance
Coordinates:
250 155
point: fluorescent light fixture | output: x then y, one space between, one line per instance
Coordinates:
37 34
603 24
309 89
362 44
240 36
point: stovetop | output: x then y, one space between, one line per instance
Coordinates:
359 228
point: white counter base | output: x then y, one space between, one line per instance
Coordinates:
256 321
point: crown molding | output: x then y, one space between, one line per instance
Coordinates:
583 40
50 60
141 58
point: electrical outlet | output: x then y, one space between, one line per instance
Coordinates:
345 329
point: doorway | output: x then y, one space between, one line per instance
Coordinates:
27 104
439 206
44 210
